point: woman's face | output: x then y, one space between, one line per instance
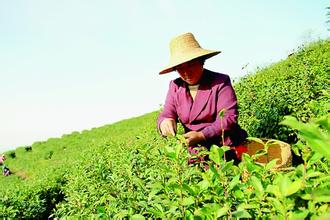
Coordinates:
191 71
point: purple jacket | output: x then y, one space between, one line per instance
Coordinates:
215 93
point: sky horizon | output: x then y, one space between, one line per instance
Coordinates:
73 65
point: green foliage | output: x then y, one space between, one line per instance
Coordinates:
297 86
316 134
147 176
128 171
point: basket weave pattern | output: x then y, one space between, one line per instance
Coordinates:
276 150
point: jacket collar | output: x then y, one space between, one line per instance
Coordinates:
203 94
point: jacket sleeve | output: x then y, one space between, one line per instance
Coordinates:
227 101
169 110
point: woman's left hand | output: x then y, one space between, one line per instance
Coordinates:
194 137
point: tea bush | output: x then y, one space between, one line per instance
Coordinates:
154 181
297 86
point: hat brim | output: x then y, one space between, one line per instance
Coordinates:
200 53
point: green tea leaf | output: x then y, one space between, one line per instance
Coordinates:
317 140
204 184
246 158
239 194
274 189
178 148
188 215
322 198
241 213
100 209
225 148
170 152
293 188
314 159
271 164
234 182
227 166
137 217
257 185
188 189
204 213
221 211
299 214
188 201
276 204
254 205
216 154
314 174
284 184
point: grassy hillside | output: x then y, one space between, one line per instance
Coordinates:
298 86
42 171
126 170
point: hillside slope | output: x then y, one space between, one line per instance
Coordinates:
118 170
298 86
39 175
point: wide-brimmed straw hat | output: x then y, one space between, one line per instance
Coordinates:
184 48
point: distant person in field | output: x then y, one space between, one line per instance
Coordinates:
5 169
197 97
2 159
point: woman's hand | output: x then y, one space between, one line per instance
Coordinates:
194 137
168 127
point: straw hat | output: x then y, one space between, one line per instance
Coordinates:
184 48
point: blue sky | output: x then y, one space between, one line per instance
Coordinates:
70 65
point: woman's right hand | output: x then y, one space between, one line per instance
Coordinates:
168 127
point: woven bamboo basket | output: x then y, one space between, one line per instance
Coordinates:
276 150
